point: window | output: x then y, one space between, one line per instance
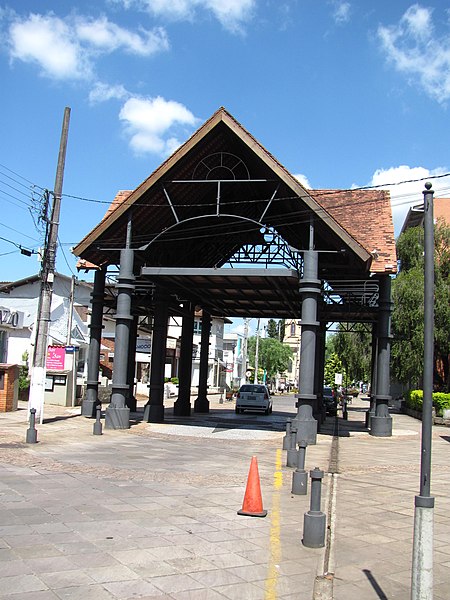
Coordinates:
3 346
292 328
197 327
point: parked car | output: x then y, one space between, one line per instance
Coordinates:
330 401
253 397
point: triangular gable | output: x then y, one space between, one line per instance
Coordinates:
125 200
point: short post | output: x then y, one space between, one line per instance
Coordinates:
221 396
31 432
98 424
300 476
344 409
314 520
287 437
292 453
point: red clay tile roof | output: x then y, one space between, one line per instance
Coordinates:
441 209
366 215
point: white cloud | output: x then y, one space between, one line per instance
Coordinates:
303 180
49 42
107 36
341 11
101 92
416 50
408 194
152 123
66 48
232 14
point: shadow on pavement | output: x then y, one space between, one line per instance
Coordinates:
374 583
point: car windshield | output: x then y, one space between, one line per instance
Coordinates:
254 389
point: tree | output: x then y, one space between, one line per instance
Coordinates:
275 329
333 365
273 356
272 329
353 349
407 316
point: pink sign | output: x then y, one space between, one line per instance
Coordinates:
55 358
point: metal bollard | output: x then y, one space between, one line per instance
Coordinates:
314 520
287 437
300 476
98 424
292 453
31 432
344 409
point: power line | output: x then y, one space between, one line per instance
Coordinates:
23 250
312 192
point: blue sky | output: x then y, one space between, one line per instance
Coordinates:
342 93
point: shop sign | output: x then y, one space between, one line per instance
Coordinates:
11 318
55 358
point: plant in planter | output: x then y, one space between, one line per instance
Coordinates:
24 378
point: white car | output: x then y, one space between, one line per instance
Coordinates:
253 397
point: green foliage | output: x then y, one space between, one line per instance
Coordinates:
353 349
441 402
333 365
273 356
414 401
174 380
407 318
272 329
24 376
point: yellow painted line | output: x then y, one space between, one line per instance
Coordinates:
275 542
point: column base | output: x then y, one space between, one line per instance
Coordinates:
89 408
201 405
182 409
117 418
154 413
132 403
306 430
380 426
314 529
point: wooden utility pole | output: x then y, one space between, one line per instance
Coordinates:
47 275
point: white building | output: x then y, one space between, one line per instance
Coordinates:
19 306
292 338
216 363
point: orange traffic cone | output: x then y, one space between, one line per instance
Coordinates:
252 505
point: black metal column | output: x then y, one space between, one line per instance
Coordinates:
89 408
310 292
154 409
381 421
131 399
319 373
201 404
373 374
182 407
117 415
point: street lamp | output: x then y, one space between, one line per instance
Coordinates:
422 566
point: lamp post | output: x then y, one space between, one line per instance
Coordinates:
422 565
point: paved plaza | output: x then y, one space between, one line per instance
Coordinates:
151 512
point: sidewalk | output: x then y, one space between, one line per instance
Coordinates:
151 512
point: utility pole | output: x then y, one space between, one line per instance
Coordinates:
70 315
47 275
255 380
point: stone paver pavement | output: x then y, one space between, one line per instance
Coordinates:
151 512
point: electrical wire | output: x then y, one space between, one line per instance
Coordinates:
313 193
65 257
